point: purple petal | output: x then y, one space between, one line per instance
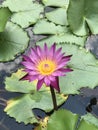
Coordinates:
58 73
29 77
45 51
66 70
33 72
39 84
41 77
39 50
47 81
52 50
34 56
51 78
26 58
28 65
55 84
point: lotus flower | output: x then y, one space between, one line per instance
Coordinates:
46 65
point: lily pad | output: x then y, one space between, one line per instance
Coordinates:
21 109
65 120
83 16
85 69
56 3
25 13
91 119
29 99
5 13
61 33
13 41
58 16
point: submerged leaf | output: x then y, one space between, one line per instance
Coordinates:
12 42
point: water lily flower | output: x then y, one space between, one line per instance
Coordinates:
46 65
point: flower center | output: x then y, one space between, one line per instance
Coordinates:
46 67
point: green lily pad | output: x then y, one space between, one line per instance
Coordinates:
85 69
5 13
21 109
91 119
56 3
58 16
82 15
13 41
30 98
25 13
65 120
61 33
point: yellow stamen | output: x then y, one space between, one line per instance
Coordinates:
46 67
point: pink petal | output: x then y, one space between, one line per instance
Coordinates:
58 73
55 84
52 50
39 84
66 70
51 78
39 50
29 77
28 65
47 81
26 58
40 77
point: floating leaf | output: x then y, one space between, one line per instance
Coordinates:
21 109
58 16
49 28
61 33
26 12
91 119
65 120
12 42
85 69
82 15
5 13
17 5
56 3
29 99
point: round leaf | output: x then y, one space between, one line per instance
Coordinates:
62 120
4 15
65 120
30 98
82 15
12 42
58 16
56 3
85 69
25 11
61 33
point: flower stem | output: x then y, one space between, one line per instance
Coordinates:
53 98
